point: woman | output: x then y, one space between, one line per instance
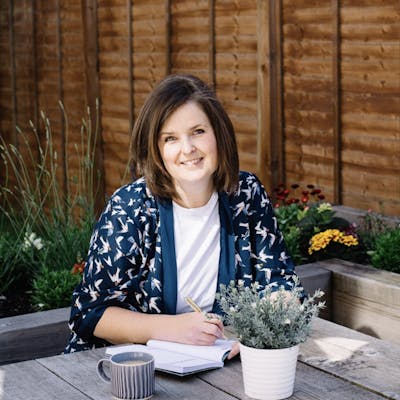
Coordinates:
190 222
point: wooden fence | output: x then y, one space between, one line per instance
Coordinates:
312 86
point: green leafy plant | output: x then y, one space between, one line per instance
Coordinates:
371 226
19 258
48 221
303 218
53 288
386 254
268 320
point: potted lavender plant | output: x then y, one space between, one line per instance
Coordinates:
269 326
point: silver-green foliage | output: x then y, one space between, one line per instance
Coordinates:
267 320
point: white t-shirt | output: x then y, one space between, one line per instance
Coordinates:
197 248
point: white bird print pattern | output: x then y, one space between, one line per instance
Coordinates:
125 259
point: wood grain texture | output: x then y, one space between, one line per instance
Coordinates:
310 383
368 362
30 380
366 299
80 371
33 335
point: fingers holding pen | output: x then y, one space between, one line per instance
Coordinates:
195 328
211 329
215 320
215 327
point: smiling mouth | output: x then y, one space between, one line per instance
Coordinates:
195 161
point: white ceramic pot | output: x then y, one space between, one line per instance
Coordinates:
268 374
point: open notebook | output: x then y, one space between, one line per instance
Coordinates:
181 359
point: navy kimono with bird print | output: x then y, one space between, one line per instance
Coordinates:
131 260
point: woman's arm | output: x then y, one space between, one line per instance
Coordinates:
119 325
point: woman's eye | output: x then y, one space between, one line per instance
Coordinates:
169 139
198 131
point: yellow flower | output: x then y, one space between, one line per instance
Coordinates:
321 240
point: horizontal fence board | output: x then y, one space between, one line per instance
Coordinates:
351 50
307 12
370 32
360 158
369 3
300 4
316 67
306 83
229 5
378 14
371 102
389 148
246 44
371 124
308 31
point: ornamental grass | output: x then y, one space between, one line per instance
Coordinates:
45 226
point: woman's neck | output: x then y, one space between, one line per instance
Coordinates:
193 197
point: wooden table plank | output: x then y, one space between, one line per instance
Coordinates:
310 384
371 363
79 369
29 380
313 384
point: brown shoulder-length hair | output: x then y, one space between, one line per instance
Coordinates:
171 93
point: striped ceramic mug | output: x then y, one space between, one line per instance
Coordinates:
131 375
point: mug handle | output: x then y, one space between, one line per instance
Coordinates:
100 370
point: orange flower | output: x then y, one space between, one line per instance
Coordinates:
78 268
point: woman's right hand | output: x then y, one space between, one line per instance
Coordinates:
198 328
118 325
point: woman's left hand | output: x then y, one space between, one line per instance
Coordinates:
235 348
235 351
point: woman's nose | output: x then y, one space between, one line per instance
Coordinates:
187 145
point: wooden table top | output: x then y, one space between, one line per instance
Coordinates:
335 363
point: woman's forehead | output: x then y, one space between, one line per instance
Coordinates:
188 116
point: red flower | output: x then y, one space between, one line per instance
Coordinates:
304 199
78 268
321 196
295 186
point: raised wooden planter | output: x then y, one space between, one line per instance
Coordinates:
365 299
355 215
315 277
33 335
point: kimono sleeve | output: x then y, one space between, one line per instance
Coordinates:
112 271
274 265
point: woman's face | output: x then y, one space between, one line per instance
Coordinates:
188 148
